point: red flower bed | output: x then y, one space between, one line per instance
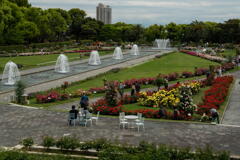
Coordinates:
172 76
105 110
78 51
147 113
50 97
187 74
97 90
200 71
216 95
228 66
144 81
99 102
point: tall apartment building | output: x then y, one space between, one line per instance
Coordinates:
104 13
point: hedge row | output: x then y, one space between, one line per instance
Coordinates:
35 47
116 151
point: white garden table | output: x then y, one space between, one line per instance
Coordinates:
132 119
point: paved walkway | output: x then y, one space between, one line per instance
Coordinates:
232 114
17 123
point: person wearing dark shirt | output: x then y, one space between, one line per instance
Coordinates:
138 87
133 90
214 115
84 102
121 89
73 110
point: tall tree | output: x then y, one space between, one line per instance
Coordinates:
21 3
77 20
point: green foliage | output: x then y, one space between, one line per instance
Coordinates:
58 25
146 151
48 142
207 153
237 51
21 3
85 146
159 81
16 155
26 31
111 94
19 91
101 144
67 143
115 151
27 142
186 101
53 46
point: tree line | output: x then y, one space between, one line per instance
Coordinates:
20 23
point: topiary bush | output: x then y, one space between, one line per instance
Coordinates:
111 94
19 91
100 144
27 142
48 142
67 143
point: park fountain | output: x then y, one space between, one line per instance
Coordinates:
134 50
35 77
162 43
62 65
117 53
94 58
10 74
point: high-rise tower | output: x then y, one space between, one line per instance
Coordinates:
104 13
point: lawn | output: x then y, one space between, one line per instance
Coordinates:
229 52
175 62
41 60
198 97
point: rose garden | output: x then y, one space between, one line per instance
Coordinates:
72 87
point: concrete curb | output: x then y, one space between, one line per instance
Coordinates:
23 106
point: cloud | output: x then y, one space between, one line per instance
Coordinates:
148 12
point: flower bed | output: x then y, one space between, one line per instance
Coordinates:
216 95
167 98
78 51
205 56
164 98
50 97
177 97
53 96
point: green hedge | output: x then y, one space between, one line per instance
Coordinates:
146 151
16 155
117 151
34 47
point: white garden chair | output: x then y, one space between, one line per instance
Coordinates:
71 118
96 118
122 122
139 117
81 111
88 119
122 115
140 123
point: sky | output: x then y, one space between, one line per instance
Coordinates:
147 12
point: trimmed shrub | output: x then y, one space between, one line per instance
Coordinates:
27 142
48 142
67 143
